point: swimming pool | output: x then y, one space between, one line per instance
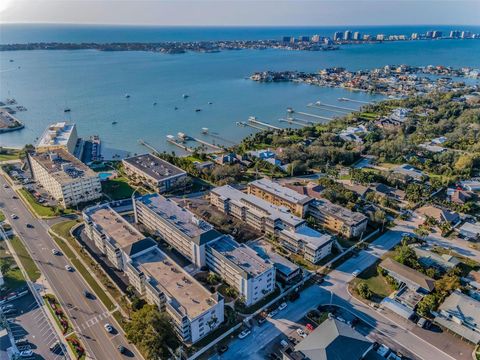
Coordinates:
104 175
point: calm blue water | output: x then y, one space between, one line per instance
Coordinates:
93 84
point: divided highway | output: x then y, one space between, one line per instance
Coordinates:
88 316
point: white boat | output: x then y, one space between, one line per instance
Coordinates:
182 135
204 130
170 137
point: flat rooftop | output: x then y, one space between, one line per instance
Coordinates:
241 255
180 218
114 226
56 134
311 237
175 282
347 216
63 166
257 205
265 250
154 167
280 191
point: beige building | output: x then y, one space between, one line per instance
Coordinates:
194 310
64 177
58 136
338 219
176 225
279 195
154 173
292 231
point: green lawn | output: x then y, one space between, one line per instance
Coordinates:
40 210
10 156
63 229
117 188
376 282
2 217
27 262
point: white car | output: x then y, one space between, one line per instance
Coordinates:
282 306
108 328
68 268
26 353
272 313
55 252
14 216
356 273
244 334
301 333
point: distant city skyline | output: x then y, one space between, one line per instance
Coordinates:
242 13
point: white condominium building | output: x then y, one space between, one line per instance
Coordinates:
242 268
194 310
312 244
58 136
114 236
176 225
66 178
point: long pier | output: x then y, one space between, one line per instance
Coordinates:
243 123
221 138
319 103
293 121
252 119
180 145
315 116
148 146
356 101
207 143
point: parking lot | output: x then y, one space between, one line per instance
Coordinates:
32 330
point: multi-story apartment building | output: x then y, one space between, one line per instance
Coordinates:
333 217
242 268
176 225
154 173
338 219
58 136
291 230
194 310
281 196
114 236
64 177
312 244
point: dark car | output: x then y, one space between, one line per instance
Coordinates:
122 349
30 226
223 349
87 294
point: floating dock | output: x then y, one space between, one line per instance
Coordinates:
253 119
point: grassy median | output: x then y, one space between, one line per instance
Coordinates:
63 229
28 264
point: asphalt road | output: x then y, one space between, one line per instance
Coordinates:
88 316
334 289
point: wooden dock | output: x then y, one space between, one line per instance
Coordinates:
180 145
252 119
293 121
315 116
243 123
213 146
357 101
320 104
148 146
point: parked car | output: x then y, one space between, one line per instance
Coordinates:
68 268
108 328
87 294
14 216
301 333
355 273
5 307
244 334
261 320
424 323
272 313
121 349
30 226
55 252
282 306
383 350
26 353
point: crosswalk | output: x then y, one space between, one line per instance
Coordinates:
95 320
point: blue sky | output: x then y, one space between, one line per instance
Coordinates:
243 12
